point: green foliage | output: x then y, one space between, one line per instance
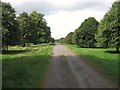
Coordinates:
85 35
106 34
61 40
10 27
34 28
24 23
26 28
52 40
74 37
68 38
41 32
46 36
108 30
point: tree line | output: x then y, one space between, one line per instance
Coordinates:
92 33
23 28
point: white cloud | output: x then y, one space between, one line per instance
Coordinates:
64 16
64 22
63 3
14 2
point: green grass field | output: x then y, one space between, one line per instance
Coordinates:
100 58
25 67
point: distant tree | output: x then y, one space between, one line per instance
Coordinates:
61 40
46 33
10 26
40 31
25 27
68 38
75 37
36 28
85 34
52 40
108 31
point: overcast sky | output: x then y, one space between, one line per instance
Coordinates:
63 16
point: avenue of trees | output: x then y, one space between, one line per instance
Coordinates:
92 33
24 28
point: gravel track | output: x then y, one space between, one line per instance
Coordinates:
67 70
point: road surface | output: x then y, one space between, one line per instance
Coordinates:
67 70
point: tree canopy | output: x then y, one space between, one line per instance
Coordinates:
85 35
68 38
25 28
108 30
32 28
91 33
10 26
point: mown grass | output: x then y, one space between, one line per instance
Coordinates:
26 67
99 58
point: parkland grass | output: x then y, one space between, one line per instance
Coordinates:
25 67
100 58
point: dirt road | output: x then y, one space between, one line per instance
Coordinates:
69 71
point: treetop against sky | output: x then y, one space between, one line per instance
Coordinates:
63 16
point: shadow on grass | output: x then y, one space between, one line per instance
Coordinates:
112 52
99 47
93 47
13 51
21 72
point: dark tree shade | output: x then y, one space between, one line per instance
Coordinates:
10 27
0 25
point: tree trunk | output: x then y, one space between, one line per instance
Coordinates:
117 48
7 47
23 44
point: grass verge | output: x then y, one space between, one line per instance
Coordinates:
25 67
99 58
